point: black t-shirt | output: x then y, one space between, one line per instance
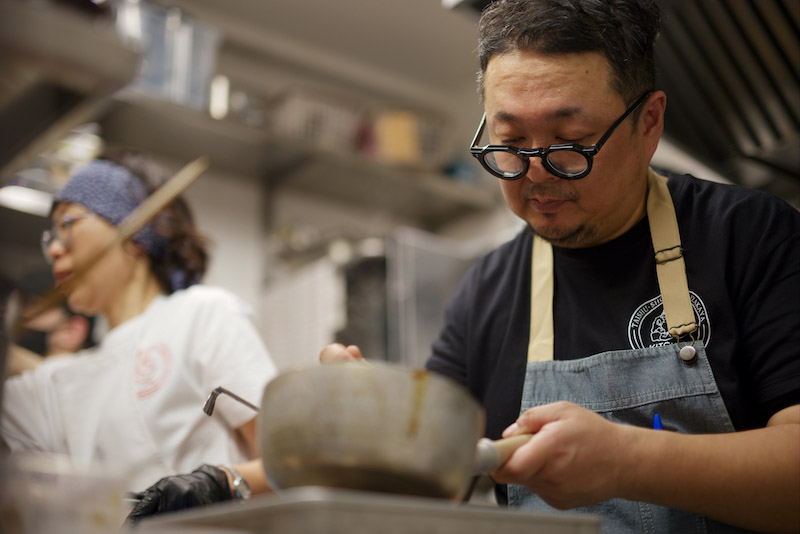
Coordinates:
742 254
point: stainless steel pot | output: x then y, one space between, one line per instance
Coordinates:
373 427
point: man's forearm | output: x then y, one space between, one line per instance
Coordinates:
750 479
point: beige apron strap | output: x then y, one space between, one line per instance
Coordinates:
540 344
670 267
670 270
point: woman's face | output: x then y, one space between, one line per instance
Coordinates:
77 242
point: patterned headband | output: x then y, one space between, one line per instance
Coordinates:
112 192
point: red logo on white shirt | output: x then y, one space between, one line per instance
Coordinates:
151 369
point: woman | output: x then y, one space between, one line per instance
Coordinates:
136 399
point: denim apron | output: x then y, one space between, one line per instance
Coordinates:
673 380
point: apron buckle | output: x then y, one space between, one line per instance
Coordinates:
687 353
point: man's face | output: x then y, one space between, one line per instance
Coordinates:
532 101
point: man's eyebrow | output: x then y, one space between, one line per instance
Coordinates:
565 113
505 116
556 114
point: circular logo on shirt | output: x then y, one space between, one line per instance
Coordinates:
151 369
648 324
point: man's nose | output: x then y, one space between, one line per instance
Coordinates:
538 173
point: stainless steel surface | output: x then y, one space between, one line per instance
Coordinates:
730 69
59 66
376 428
423 271
329 511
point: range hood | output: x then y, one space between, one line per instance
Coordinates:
59 65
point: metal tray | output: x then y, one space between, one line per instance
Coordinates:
317 510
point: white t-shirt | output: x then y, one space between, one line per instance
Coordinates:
135 401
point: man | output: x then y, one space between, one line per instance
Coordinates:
596 322
563 73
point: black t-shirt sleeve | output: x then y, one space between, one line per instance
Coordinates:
769 307
743 256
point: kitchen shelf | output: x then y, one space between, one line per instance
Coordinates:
60 66
427 199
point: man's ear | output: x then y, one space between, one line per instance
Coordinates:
652 120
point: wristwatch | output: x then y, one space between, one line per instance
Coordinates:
241 489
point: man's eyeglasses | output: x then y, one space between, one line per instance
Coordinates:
62 232
569 161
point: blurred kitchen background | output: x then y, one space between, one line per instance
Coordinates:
342 202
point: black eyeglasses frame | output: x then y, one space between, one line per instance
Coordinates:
524 154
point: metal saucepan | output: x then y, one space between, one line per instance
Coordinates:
376 428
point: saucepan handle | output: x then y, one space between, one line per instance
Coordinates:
491 454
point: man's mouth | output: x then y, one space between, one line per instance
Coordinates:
547 197
547 205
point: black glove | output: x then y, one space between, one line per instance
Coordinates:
205 485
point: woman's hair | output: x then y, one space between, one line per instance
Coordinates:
185 257
624 31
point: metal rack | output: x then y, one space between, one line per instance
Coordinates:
60 66
425 197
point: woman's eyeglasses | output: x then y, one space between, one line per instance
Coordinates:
61 231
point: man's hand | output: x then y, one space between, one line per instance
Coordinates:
572 458
337 352
748 478
205 485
